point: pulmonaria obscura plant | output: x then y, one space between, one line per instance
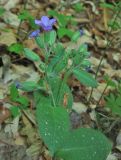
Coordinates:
54 100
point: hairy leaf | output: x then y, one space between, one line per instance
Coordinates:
53 123
31 55
54 129
50 37
85 78
84 144
61 92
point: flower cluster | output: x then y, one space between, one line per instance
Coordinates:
45 23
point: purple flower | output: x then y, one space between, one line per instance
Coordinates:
34 33
46 23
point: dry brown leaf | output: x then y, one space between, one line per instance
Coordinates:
79 107
11 19
112 157
99 90
7 38
10 4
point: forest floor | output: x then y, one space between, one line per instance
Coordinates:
103 39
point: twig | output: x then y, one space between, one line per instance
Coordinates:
6 143
118 120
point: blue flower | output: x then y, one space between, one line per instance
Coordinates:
46 23
17 84
81 32
34 33
88 69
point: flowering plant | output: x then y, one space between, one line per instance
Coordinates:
54 99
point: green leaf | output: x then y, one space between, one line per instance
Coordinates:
84 144
52 13
32 23
15 111
64 32
85 78
75 36
31 55
66 94
63 20
54 129
2 11
23 101
78 7
29 86
16 47
113 101
53 123
61 65
116 25
86 63
109 81
82 48
59 53
25 15
13 92
40 41
42 97
50 37
107 5
59 62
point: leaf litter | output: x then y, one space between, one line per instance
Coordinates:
95 24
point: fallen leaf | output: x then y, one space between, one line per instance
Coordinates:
13 127
111 157
118 138
10 4
7 38
11 19
79 107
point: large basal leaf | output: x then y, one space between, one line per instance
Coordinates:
53 123
85 78
84 144
62 142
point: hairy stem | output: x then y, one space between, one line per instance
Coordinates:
62 85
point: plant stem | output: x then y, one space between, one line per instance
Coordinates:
47 53
96 74
108 45
102 95
62 85
19 27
